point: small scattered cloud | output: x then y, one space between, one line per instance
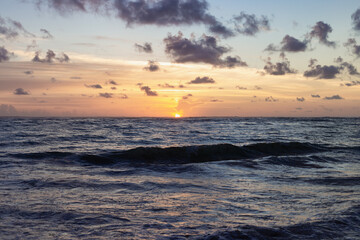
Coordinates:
321 72
112 82
321 31
300 99
146 48
355 17
106 95
250 25
96 86
20 91
216 100
271 99
166 85
53 80
202 80
279 68
352 83
148 91
152 66
11 29
187 96
315 95
351 44
5 55
123 96
257 87
241 88
50 57
334 97
32 45
46 34
289 44
75 77
204 50
29 72
113 88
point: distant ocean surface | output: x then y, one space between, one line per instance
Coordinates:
190 178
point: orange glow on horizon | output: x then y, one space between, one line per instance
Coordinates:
177 115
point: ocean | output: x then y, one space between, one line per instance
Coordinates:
187 178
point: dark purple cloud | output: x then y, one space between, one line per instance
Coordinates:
146 48
250 25
204 50
152 66
112 82
96 86
321 31
202 80
300 99
50 57
5 54
187 96
146 12
106 95
322 72
271 99
355 17
334 97
148 91
279 68
21 91
29 72
289 44
315 95
352 83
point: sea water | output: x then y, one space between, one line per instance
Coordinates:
189 178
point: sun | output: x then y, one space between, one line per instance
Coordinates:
177 115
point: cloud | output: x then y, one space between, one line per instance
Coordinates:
33 45
204 50
46 34
355 17
352 83
250 25
146 48
271 99
123 96
152 66
5 54
75 77
29 72
187 96
335 97
321 31
322 72
216 100
300 99
96 86
148 91
11 29
50 57
351 45
166 85
289 44
145 12
7 110
350 68
53 80
106 95
112 82
113 88
202 80
241 88
257 87
315 95
20 91
279 68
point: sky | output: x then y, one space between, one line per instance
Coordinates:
190 58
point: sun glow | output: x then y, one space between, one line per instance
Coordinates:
177 115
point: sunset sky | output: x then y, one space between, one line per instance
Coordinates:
158 58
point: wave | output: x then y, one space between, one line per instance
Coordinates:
346 226
182 155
